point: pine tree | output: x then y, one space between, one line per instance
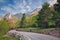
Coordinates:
57 6
57 9
22 20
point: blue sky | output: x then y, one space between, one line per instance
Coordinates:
20 6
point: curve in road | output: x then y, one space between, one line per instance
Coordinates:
34 36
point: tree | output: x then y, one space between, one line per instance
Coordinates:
22 23
33 21
45 16
57 6
57 9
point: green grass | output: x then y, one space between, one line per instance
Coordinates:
2 37
7 38
30 29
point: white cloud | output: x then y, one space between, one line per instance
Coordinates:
29 8
9 9
6 8
30 2
24 2
18 5
23 11
21 7
2 0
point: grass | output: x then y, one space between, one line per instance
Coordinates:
30 29
7 38
2 37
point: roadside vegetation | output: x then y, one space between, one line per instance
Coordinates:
46 19
31 29
7 38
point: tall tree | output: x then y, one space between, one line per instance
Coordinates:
57 6
44 16
57 9
22 20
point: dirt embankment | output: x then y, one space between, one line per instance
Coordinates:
55 33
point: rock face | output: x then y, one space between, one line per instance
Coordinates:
8 16
10 20
52 8
35 11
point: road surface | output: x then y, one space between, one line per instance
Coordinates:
34 36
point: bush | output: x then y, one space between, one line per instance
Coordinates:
4 27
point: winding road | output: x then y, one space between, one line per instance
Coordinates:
34 36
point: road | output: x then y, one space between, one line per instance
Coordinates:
34 36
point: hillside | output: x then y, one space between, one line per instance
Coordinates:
34 12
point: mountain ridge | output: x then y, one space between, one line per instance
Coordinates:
19 15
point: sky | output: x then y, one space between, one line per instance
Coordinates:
21 6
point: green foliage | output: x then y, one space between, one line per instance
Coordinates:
33 29
4 27
34 21
57 16
18 23
22 23
45 16
57 6
8 38
31 21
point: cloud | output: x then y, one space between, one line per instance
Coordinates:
2 1
24 2
21 6
28 8
9 9
30 2
6 8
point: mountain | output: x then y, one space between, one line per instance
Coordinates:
34 12
1 17
19 15
8 16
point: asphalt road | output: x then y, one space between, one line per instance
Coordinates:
34 36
